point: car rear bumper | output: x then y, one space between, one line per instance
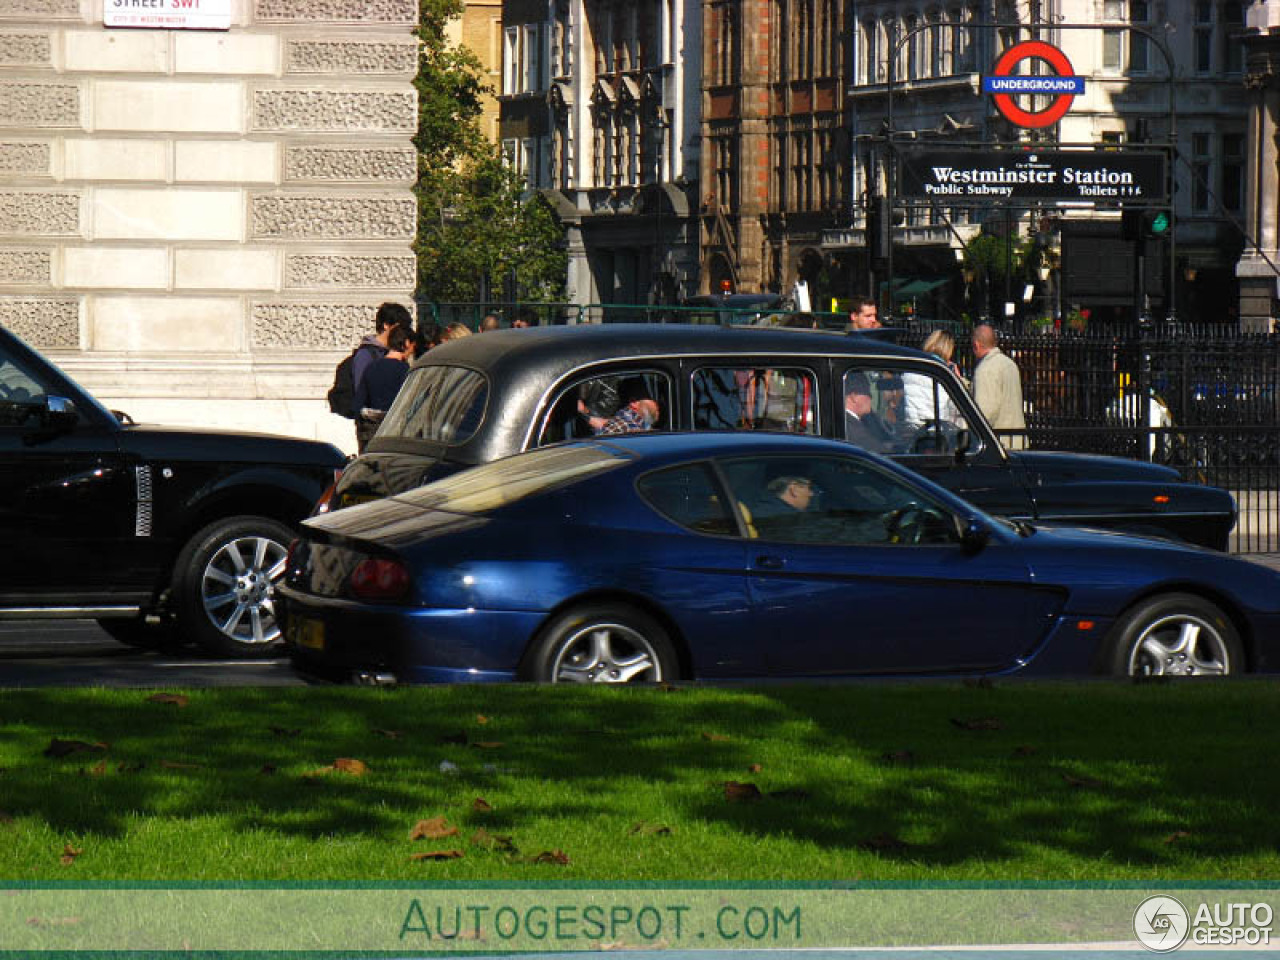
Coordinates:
341 641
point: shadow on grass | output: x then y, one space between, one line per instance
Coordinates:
933 775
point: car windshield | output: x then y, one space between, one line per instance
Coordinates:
503 482
438 402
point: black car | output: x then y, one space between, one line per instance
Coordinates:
156 532
477 399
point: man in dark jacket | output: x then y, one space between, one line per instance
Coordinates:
861 424
382 380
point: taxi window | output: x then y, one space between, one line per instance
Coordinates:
437 402
755 398
900 412
595 405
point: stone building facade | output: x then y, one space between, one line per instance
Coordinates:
198 225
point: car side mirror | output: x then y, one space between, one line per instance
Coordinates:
974 534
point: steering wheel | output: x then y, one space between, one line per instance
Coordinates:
906 523
934 437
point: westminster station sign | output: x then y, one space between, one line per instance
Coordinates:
960 176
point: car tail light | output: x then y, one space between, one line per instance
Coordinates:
377 578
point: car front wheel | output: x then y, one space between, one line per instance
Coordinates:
226 578
602 643
1175 635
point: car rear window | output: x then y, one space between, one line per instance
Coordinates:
503 482
438 402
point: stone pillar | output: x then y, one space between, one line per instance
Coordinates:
1257 269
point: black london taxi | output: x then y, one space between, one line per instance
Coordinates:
161 534
479 398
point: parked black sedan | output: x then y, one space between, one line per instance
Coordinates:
710 556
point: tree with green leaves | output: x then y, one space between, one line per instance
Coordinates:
478 229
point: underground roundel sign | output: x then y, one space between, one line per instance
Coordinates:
1004 84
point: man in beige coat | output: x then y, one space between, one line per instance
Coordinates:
997 387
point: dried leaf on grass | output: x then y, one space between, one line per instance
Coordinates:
488 744
284 731
65 748
432 829
69 854
493 841
347 765
736 792
177 765
646 829
714 737
755 768
978 723
173 699
557 857
481 719
437 855
98 769
1177 835
481 805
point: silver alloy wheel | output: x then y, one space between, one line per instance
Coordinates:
605 653
1180 645
236 589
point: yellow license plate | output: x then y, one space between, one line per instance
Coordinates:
305 632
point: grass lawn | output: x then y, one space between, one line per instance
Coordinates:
928 782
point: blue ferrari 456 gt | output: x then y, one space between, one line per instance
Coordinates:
660 557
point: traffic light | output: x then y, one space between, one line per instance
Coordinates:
882 217
1139 225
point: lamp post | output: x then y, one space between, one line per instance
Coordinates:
658 289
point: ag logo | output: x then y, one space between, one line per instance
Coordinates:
1161 924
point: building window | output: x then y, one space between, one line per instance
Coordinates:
1201 172
867 55
726 45
1203 37
1232 194
604 40
828 39
778 173
1126 51
726 164
511 61
1232 44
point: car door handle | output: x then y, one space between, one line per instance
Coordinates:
768 562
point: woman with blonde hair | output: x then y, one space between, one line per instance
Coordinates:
921 403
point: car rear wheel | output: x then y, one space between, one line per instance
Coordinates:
1175 635
226 585
602 643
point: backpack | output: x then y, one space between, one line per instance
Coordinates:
343 392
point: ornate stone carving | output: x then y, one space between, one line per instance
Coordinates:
350 163
25 159
26 266
375 110
321 326
341 11
40 9
338 56
335 218
40 214
44 322
339 270
24 49
39 105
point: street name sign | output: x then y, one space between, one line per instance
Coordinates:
168 14
959 177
